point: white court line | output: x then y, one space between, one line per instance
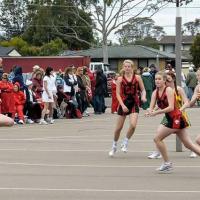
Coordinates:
66 150
72 140
97 190
89 166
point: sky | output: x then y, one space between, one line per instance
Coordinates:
166 17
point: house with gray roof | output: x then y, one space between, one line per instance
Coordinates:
8 51
167 44
141 55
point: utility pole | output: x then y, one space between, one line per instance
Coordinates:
178 41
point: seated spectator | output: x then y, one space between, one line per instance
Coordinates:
67 105
19 100
32 107
7 103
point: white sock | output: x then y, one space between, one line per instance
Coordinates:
114 144
125 140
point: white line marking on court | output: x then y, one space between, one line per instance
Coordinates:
98 190
88 166
53 139
66 150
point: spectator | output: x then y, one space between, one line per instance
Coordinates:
169 68
69 84
18 77
1 68
35 69
153 72
19 99
98 99
87 84
81 93
47 96
191 82
7 103
148 85
38 83
32 106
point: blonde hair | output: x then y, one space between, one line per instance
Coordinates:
163 74
131 63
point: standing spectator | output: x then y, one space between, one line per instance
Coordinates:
153 72
69 83
87 84
35 69
19 99
11 74
7 103
18 77
1 68
81 94
148 85
191 82
105 87
47 96
169 68
98 99
38 83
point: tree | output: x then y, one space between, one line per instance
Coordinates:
192 28
138 29
109 15
148 41
48 49
51 19
13 17
195 51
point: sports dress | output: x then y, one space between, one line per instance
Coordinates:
129 94
174 119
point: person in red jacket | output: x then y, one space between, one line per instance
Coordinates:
7 103
19 99
115 103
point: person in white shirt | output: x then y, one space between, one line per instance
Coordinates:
47 96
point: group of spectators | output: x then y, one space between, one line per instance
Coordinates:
47 95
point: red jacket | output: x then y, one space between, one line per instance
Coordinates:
19 98
7 105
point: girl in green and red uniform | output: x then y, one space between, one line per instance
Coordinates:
173 122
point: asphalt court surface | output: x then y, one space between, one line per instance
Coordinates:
69 160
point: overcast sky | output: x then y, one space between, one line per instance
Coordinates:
166 16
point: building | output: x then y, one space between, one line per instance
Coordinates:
8 51
167 43
141 55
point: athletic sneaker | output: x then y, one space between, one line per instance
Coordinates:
154 155
113 151
193 155
20 121
50 120
165 167
124 147
43 122
29 121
